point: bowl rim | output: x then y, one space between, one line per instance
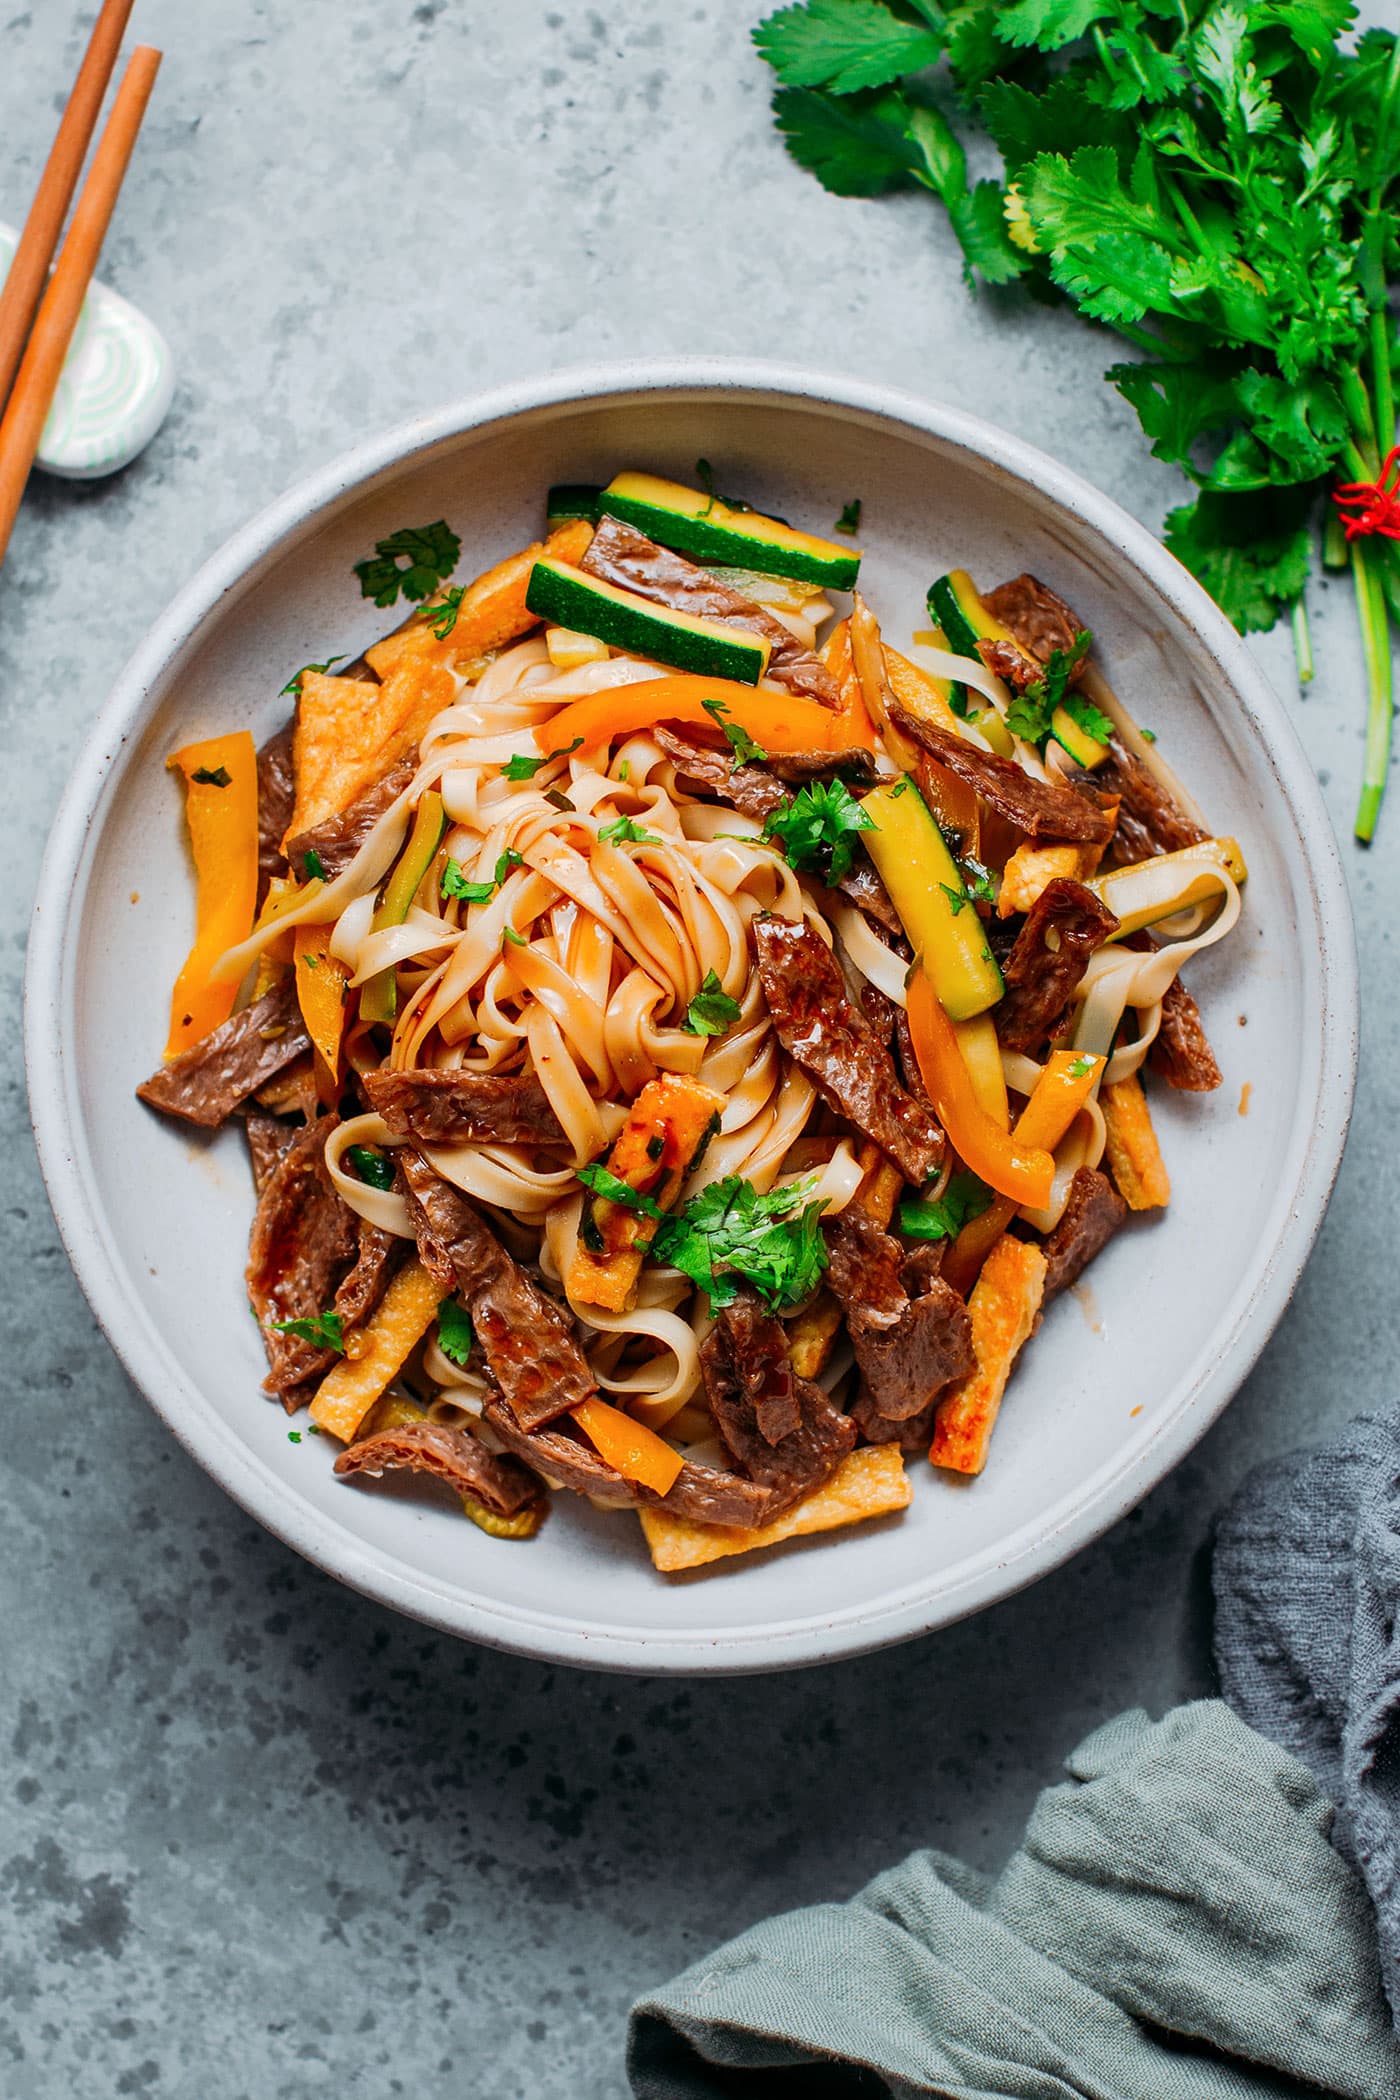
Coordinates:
1104 1496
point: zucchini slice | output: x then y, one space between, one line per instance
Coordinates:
585 604
1084 749
710 531
927 890
572 499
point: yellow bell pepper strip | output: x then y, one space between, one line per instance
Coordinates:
777 721
221 810
927 890
1065 1084
350 1388
379 995
321 982
631 1449
1024 1172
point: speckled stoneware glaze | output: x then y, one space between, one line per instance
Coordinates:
1122 1380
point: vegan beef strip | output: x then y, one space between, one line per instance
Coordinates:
782 1430
1063 928
1181 1053
338 838
277 794
702 1493
1092 1215
1037 807
621 555
908 1347
1037 616
526 1336
448 1454
1149 820
205 1083
377 1255
453 1108
268 1138
304 1239
838 1049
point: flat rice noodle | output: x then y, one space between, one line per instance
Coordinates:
450 1454
206 1083
621 555
1036 807
459 1107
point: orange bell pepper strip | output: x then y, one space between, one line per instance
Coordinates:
777 721
321 982
857 727
1013 1168
629 1447
1063 1087
221 810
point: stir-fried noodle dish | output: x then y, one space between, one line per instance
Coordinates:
684 1040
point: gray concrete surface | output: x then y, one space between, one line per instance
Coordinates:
257 1837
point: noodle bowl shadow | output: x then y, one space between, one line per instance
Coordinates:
155 1223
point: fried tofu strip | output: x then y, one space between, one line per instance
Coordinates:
1032 869
1004 1305
1131 1148
667 1127
492 611
867 1483
349 733
350 1388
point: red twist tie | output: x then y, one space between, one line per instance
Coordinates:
1371 506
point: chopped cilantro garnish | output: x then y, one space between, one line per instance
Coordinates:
1149 736
1083 713
956 898
442 616
508 860
943 1217
375 1168
517 940
817 829
611 1186
849 520
740 742
625 833
293 1436
1081 1066
979 880
454 1331
523 767
293 684
455 884
313 865
218 777
326 1330
730 1233
1029 714
412 561
712 1010
624 771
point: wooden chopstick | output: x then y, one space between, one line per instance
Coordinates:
32 397
24 285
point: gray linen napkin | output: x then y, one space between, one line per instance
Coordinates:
1307 1586
1174 1926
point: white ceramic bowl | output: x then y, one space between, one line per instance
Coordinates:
155 1223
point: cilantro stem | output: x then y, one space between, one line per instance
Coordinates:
1302 641
1357 403
1375 645
1382 379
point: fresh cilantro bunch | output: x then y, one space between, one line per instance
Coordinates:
730 1234
1213 180
817 829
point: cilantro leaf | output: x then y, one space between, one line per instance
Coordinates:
712 1010
615 1190
740 742
293 684
956 898
849 520
943 1217
313 866
521 766
844 44
508 860
625 833
854 148
730 1232
455 1336
1048 24
326 1330
1030 712
441 616
455 884
219 777
817 829
374 1168
411 561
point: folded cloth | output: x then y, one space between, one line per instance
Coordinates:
1307 1594
1174 1926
